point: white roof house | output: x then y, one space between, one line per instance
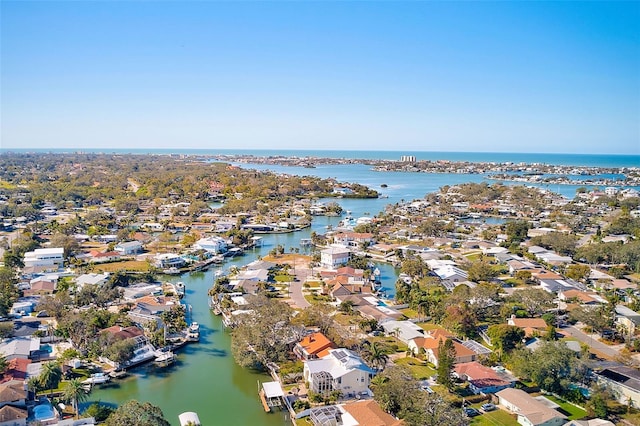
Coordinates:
212 244
403 330
19 347
49 257
451 273
129 247
333 257
340 370
93 279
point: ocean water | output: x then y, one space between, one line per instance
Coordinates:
599 160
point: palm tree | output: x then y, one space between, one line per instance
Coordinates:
50 375
75 392
376 354
4 364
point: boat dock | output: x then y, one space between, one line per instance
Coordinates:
271 395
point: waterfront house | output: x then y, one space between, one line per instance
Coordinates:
315 345
169 260
530 410
142 349
340 370
482 380
334 257
129 248
212 244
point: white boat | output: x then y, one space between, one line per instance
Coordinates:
193 333
179 286
96 379
164 358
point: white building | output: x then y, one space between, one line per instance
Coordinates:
340 370
128 248
93 279
333 257
48 257
212 244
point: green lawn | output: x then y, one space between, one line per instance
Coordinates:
575 412
418 369
497 417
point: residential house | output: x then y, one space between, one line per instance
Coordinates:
142 349
402 330
623 381
353 239
96 256
13 393
367 413
482 380
20 347
451 273
40 287
169 260
531 326
92 279
334 257
530 411
581 297
212 244
50 258
129 248
340 370
627 319
13 416
431 342
315 345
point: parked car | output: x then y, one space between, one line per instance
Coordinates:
488 407
472 412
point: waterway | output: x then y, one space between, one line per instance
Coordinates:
205 378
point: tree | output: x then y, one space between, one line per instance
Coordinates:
50 375
399 394
4 364
8 291
505 337
535 300
262 337
98 411
136 413
376 355
516 231
577 271
552 366
446 360
481 271
76 393
461 319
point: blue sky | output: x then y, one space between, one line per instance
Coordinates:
432 76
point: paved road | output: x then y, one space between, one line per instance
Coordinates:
295 288
597 347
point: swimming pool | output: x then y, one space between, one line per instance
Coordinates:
43 412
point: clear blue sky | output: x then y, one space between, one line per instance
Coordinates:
432 76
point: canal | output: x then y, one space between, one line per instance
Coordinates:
205 378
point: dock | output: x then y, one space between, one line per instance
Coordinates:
271 395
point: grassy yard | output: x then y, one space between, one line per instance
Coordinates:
575 413
497 417
127 265
420 370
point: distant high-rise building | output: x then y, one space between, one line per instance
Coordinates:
408 158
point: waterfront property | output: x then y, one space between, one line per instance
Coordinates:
340 370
